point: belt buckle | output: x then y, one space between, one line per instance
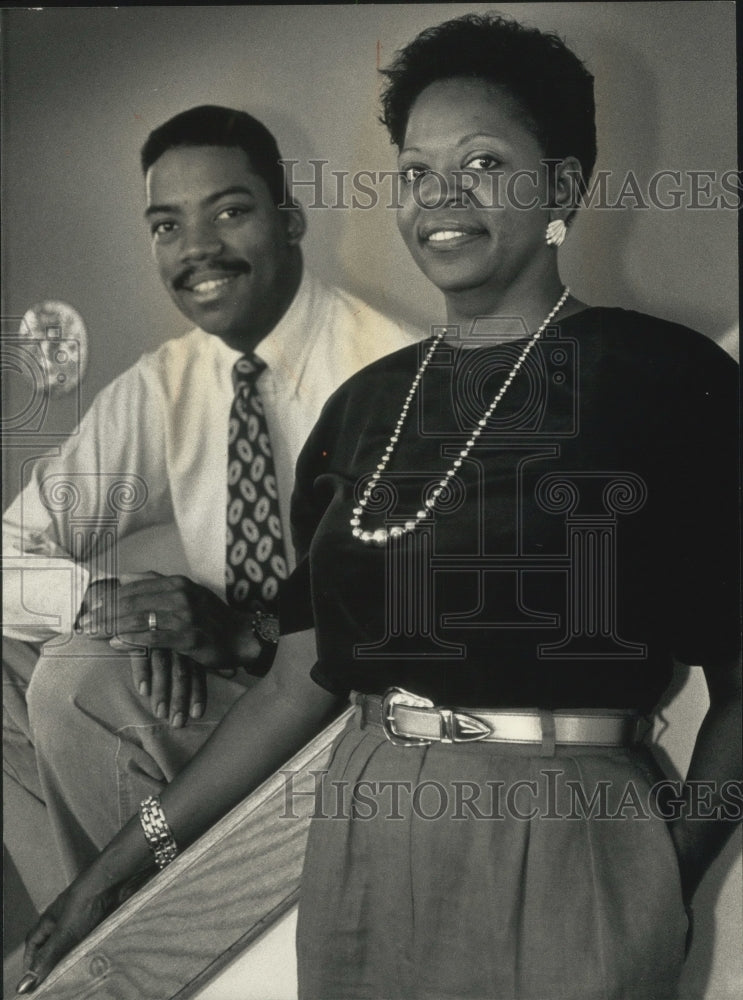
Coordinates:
398 696
458 727
454 727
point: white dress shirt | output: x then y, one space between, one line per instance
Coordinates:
153 449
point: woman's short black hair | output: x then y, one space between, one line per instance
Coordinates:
212 125
549 82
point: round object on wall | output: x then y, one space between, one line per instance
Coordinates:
58 332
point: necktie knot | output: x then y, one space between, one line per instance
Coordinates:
246 370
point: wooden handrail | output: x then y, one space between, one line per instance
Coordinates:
195 916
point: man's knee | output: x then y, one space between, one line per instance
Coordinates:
83 675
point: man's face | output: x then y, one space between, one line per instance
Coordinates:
226 254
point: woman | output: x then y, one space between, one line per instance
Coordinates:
508 534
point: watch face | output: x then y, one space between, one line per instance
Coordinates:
266 628
58 334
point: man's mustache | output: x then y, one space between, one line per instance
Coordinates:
226 268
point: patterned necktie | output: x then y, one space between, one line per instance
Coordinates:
256 556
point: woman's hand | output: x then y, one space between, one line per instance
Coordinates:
66 922
711 795
261 731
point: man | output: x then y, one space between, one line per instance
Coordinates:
82 735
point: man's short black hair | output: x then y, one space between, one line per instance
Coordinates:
212 125
548 81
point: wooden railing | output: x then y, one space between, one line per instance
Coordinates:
195 916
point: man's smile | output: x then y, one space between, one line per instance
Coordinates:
209 284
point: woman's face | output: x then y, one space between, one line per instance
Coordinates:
475 192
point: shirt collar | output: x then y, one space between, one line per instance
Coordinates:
287 348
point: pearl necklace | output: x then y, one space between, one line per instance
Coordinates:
382 535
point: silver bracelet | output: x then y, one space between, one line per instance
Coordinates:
157 833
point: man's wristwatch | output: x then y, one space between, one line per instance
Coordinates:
266 629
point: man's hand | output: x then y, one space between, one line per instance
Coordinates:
188 619
196 633
98 612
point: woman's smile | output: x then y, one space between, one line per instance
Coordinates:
445 235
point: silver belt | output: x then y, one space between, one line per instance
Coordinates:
409 720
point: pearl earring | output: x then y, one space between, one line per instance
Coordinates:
556 232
